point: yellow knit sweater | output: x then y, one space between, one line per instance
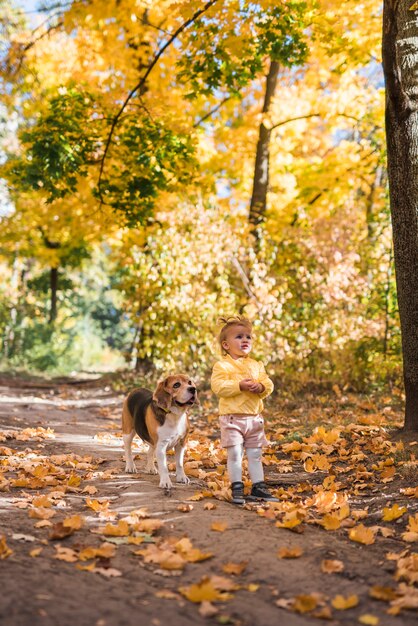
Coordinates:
226 376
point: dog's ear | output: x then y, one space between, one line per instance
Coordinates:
162 397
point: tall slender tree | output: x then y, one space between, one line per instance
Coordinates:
400 63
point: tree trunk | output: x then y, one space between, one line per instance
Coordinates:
400 64
54 290
258 203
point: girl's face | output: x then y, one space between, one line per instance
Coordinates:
238 341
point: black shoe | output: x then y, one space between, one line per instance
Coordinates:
238 493
259 491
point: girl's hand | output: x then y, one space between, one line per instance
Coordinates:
248 384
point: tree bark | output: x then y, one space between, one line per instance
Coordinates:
400 64
258 203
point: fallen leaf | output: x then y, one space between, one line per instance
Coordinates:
20 537
290 553
65 554
370 620
391 513
5 551
387 594
35 552
219 526
330 566
362 534
185 508
304 603
110 572
234 568
206 609
342 603
59 531
75 522
202 591
121 529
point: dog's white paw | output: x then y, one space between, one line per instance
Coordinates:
130 467
165 482
182 478
151 469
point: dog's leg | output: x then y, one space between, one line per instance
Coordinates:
128 432
127 442
161 454
179 452
150 466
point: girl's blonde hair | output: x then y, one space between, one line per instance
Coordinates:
228 322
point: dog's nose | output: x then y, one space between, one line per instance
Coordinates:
192 389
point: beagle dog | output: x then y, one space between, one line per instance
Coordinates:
160 419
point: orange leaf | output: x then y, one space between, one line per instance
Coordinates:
75 522
219 526
331 566
234 568
290 553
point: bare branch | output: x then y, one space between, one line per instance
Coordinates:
211 112
142 82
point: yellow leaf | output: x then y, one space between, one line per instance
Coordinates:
74 480
414 7
413 523
290 553
91 567
195 555
330 522
342 603
291 519
202 591
197 497
5 551
35 552
209 506
392 513
219 526
96 505
369 620
121 529
361 534
106 551
42 501
309 466
304 603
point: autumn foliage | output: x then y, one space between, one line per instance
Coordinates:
129 160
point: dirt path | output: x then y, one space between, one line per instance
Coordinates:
48 591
